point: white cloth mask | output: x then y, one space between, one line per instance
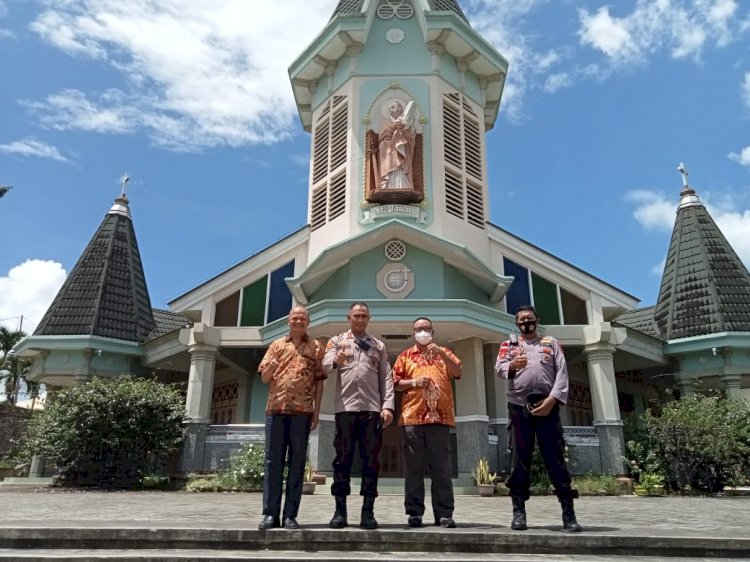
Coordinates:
423 337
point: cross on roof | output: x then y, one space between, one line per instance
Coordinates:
683 170
124 182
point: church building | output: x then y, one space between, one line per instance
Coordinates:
398 97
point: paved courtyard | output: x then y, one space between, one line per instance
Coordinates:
630 515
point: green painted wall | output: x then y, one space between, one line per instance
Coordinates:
433 279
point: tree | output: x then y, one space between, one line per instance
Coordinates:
13 368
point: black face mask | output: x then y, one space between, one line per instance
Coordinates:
528 327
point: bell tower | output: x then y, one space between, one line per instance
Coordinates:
398 95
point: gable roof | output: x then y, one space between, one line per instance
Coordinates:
705 288
456 255
165 322
641 320
106 293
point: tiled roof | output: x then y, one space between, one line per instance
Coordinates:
105 293
641 320
706 287
355 7
165 322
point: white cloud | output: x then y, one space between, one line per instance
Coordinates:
658 269
28 290
555 82
654 211
502 23
684 28
70 109
198 72
743 157
746 90
32 147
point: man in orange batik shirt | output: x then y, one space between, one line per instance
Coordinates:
293 368
424 373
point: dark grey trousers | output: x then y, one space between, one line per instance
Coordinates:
428 445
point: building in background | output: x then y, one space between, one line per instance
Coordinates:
398 96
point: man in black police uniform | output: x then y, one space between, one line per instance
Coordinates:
537 384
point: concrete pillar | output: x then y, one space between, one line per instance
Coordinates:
472 421
607 420
497 410
685 385
203 342
732 386
243 396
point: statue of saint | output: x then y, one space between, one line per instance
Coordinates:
392 177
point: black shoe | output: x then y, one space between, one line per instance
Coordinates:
570 525
368 520
415 521
269 522
338 521
519 515
290 523
446 522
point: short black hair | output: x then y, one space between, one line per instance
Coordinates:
423 318
364 304
526 308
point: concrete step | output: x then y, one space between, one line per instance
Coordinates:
168 555
301 556
426 543
26 481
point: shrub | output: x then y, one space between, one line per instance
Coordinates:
700 443
246 468
108 433
245 473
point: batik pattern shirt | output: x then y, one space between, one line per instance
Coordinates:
545 370
432 403
292 389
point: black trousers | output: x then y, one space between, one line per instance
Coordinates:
425 444
547 430
286 445
366 430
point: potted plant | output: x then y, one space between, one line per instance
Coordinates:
484 478
308 485
650 484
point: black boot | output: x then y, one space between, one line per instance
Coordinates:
339 517
569 516
519 514
368 516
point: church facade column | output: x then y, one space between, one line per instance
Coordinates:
732 384
472 421
203 342
607 419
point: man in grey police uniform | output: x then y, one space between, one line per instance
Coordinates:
537 384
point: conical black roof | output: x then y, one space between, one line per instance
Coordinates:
705 288
105 293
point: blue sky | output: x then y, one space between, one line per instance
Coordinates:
191 98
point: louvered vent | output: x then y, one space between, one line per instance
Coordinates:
473 147
318 207
330 155
454 194
452 126
320 149
474 204
337 197
338 137
462 142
